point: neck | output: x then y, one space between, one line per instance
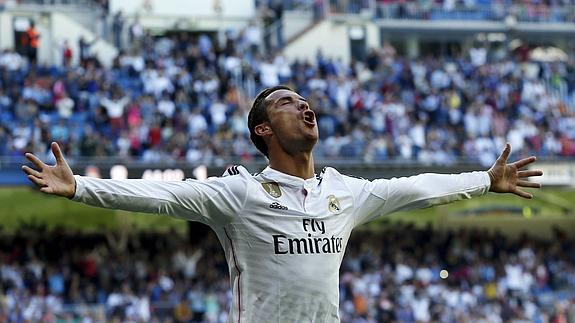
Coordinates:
299 165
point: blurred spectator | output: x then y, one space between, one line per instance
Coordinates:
117 29
393 275
84 49
31 40
66 54
136 33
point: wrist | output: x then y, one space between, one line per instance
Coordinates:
73 192
491 179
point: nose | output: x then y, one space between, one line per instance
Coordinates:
303 105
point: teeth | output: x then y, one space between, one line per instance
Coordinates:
308 117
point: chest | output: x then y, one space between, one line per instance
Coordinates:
309 212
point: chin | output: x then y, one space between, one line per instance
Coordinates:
313 136
309 144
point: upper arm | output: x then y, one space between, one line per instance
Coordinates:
367 204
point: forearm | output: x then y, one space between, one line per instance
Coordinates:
129 195
433 189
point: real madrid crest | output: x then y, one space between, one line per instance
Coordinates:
272 188
333 204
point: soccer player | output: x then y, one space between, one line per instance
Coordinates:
284 231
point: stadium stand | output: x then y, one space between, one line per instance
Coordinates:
386 276
162 99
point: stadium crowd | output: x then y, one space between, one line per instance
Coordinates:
183 98
389 276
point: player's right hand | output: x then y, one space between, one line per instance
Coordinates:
58 179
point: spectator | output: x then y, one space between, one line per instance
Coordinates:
118 29
252 37
277 8
31 41
66 54
84 49
136 33
115 109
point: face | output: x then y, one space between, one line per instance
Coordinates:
291 122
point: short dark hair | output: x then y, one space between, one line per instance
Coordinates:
259 114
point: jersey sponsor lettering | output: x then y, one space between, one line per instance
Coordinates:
308 244
305 246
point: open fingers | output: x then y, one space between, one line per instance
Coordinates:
38 181
47 189
524 162
529 173
31 171
523 194
57 153
35 160
528 184
505 154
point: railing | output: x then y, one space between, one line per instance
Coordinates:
276 35
416 12
407 10
55 2
54 5
11 162
87 13
8 162
433 11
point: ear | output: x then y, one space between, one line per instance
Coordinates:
263 129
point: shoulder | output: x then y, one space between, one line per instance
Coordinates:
234 170
236 176
234 173
234 182
332 174
332 177
327 172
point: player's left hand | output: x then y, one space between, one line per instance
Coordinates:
509 178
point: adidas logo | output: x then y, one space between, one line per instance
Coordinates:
277 206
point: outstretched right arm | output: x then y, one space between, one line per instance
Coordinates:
209 201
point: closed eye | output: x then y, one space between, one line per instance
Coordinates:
289 100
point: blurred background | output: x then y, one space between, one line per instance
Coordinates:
161 90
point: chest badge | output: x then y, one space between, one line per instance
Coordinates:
333 204
272 188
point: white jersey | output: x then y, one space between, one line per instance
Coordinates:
284 237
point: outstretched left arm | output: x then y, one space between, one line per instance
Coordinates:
509 178
383 196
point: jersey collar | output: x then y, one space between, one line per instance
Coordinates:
284 178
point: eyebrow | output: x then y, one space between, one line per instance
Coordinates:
291 97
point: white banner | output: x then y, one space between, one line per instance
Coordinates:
185 8
556 174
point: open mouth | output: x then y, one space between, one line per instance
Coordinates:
309 117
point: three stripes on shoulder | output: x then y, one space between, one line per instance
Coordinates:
232 170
